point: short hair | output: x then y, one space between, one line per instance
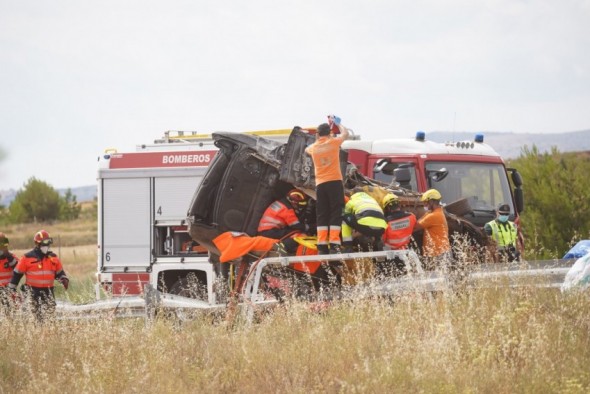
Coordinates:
323 129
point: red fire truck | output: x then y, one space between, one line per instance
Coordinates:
465 171
143 198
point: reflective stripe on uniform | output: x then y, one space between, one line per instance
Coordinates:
277 216
5 278
40 278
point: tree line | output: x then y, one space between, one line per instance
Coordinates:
557 211
39 202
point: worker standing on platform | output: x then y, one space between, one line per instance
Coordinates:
325 153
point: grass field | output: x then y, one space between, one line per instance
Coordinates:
494 340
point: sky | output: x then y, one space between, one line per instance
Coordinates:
78 77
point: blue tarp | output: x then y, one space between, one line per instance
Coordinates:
579 250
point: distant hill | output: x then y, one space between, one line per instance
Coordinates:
82 193
508 145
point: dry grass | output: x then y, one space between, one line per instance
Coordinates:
494 340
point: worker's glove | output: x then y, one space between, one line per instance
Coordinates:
65 282
12 291
10 261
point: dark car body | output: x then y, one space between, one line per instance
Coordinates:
247 174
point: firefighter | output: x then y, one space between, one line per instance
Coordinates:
363 214
397 236
283 218
7 263
41 268
436 247
325 153
400 224
504 233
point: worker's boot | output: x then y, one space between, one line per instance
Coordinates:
377 245
347 247
323 249
335 249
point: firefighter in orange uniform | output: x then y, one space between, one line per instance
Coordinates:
325 153
398 234
284 217
7 263
436 247
400 224
41 268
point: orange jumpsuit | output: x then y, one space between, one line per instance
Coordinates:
41 271
436 233
278 220
325 153
7 263
398 233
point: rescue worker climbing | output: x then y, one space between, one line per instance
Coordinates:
436 247
325 153
41 268
504 233
363 214
7 263
284 218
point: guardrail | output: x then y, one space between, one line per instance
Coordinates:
544 273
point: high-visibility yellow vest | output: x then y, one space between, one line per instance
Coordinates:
503 233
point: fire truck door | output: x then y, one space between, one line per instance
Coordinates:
173 196
126 215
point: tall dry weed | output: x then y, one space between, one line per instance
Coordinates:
487 340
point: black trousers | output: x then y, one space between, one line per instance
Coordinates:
41 301
329 205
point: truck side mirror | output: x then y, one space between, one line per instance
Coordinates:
516 177
380 165
519 199
439 175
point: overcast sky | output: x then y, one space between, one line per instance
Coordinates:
80 76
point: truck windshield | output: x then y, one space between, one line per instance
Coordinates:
484 185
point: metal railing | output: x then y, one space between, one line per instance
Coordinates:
545 274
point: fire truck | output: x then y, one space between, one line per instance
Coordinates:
470 175
142 209
143 196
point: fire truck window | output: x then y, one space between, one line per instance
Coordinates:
387 175
486 185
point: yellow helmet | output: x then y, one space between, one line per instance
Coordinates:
388 199
297 197
431 194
